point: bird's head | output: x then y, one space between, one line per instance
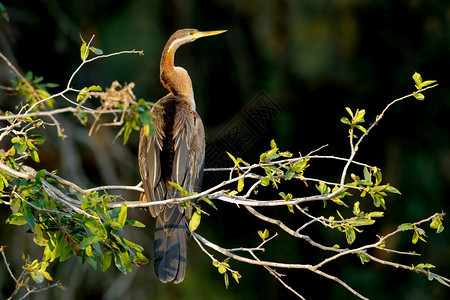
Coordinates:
184 36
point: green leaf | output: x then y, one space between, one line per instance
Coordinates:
265 181
240 186
38 238
339 202
227 281
236 276
28 214
15 205
438 278
417 79
134 223
322 188
16 219
350 234
364 130
273 145
423 266
415 237
37 139
82 94
436 223
140 259
405 226
84 51
96 228
122 261
427 82
361 222
195 220
270 155
356 209
378 200
367 174
105 260
359 118
208 202
221 269
349 112
40 175
363 257
233 159
263 235
286 154
392 189
122 214
346 121
96 50
178 187
376 214
418 96
132 245
89 241
34 155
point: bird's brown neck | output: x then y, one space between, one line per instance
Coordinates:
175 79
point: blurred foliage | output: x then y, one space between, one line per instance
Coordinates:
312 58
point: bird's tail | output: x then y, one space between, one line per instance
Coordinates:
170 251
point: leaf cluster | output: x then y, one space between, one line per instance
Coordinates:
223 267
33 89
92 234
420 84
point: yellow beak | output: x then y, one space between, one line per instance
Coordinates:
200 34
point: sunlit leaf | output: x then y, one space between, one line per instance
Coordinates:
405 226
122 214
236 276
240 186
415 237
350 234
263 235
417 79
356 209
363 257
195 220
105 260
418 96
16 219
134 223
227 281
349 112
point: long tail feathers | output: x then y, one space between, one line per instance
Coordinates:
170 252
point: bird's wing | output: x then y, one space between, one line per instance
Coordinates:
183 135
149 163
197 150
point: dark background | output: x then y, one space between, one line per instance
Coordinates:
305 59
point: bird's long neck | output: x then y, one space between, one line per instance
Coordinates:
175 79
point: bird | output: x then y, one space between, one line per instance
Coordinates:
176 154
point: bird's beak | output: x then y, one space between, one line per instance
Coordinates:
200 34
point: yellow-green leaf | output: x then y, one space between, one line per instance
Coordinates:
240 186
195 220
418 96
263 235
84 51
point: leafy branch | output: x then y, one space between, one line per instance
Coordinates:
69 220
